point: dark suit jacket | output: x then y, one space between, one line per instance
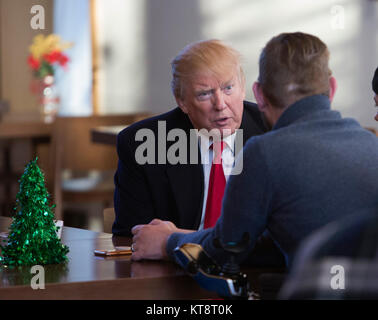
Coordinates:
168 192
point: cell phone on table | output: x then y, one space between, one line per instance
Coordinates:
118 251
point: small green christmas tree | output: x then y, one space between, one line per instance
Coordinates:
32 238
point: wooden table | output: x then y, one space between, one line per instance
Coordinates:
106 134
87 276
14 127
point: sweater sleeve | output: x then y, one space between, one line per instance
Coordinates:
246 207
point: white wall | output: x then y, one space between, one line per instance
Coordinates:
16 35
150 33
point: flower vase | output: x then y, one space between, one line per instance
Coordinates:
48 97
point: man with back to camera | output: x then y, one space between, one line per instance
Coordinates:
208 85
312 168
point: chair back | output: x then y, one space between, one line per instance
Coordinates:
341 255
74 151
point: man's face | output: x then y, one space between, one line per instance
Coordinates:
376 103
211 103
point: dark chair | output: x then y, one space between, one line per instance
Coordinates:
346 249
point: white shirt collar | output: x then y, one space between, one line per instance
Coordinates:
205 142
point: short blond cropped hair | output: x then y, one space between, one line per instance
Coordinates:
208 56
293 66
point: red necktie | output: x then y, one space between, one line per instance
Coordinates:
217 183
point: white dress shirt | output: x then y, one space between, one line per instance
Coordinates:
228 162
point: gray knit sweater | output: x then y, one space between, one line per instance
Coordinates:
314 167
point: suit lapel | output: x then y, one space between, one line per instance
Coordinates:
186 181
187 187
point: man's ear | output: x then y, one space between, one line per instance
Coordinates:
259 96
332 88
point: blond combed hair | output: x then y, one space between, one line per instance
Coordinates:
208 56
293 66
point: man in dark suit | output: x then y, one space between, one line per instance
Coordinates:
208 85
